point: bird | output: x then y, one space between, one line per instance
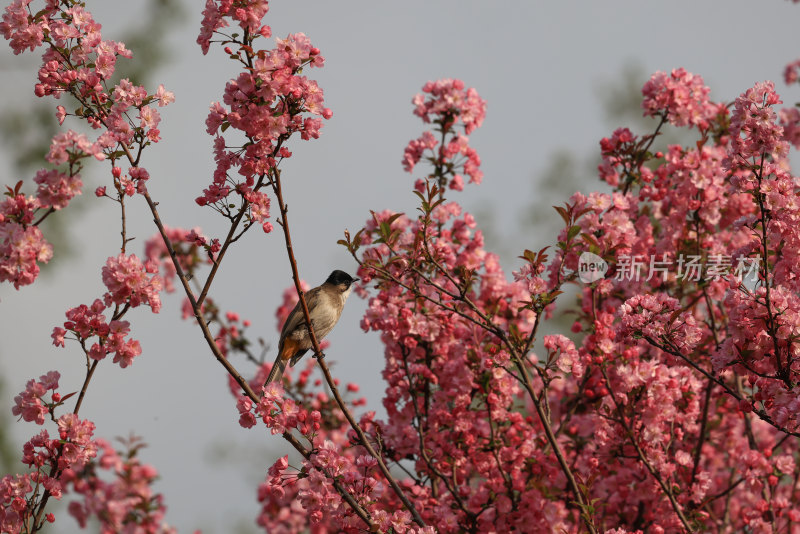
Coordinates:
325 305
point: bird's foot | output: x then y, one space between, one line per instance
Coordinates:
320 355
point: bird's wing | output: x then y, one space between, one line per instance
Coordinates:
296 318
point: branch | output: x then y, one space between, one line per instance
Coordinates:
552 440
761 413
643 459
276 185
427 459
357 508
486 324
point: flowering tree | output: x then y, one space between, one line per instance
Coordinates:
672 407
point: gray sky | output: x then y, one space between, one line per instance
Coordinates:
538 64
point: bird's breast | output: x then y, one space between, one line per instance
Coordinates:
324 315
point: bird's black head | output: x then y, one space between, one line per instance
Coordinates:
338 277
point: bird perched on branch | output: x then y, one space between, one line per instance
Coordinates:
325 305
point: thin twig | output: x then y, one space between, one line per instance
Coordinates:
489 326
553 441
232 370
643 459
762 414
323 366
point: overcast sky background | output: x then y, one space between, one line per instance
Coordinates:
539 65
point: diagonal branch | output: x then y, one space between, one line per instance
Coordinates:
665 488
760 412
276 185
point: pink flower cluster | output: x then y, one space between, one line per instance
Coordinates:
450 395
70 147
79 62
284 493
294 499
447 105
52 461
56 189
269 102
790 122
634 416
247 14
453 403
129 286
562 351
416 149
278 413
22 247
89 322
230 337
646 337
126 503
29 404
61 457
680 96
659 317
790 72
187 244
259 209
128 283
754 127
70 464
19 28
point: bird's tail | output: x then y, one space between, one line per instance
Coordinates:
277 370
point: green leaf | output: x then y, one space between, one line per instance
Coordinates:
573 231
393 218
589 238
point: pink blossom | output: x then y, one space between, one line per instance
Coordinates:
681 96
71 145
216 12
122 500
61 114
451 102
128 283
57 189
18 28
164 97
29 405
790 73
259 206
563 351
188 245
21 251
416 148
754 127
